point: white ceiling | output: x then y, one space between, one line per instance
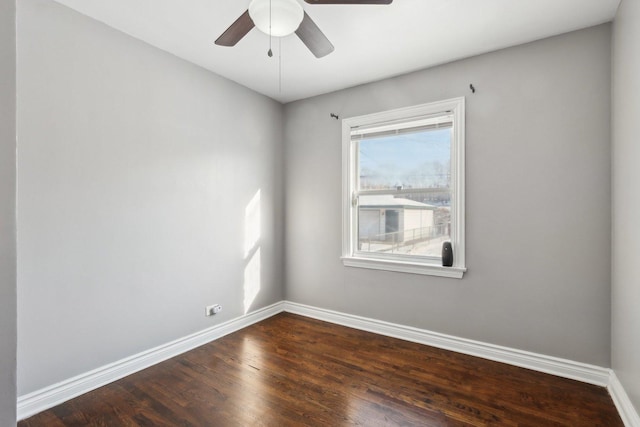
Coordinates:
371 42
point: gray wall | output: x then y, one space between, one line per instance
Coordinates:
626 199
538 214
135 170
7 213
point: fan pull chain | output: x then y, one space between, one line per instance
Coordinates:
270 52
280 65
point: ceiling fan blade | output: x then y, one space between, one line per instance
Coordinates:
313 38
236 31
349 1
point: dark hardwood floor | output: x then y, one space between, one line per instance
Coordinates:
291 371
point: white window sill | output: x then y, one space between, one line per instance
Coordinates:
405 267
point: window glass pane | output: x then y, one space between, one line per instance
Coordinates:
420 159
410 224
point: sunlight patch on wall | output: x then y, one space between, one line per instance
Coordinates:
251 280
252 224
252 270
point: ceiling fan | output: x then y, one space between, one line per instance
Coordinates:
279 18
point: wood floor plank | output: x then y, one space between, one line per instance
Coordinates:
290 370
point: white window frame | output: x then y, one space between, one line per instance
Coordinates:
417 265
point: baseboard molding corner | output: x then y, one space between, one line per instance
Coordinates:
627 412
48 397
538 362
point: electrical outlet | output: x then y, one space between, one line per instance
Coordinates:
211 310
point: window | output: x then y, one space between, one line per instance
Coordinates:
403 189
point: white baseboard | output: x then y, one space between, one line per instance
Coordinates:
626 410
538 362
48 397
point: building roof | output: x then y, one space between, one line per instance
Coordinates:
389 201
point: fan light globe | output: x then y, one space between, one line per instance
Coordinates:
286 16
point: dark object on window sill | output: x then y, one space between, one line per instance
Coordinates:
447 254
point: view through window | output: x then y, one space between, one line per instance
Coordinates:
404 190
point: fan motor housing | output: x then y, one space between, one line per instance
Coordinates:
277 18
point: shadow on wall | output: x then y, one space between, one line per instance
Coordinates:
252 269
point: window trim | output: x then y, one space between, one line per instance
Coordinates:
454 107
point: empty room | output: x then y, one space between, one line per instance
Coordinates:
319 212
